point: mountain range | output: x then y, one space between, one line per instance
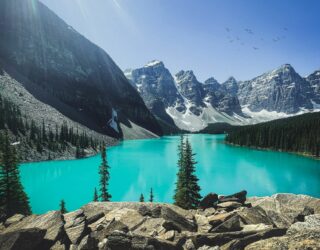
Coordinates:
183 101
52 72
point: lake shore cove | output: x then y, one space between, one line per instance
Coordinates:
280 221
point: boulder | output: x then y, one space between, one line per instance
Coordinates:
95 217
151 227
237 197
229 205
58 246
14 219
241 243
254 215
87 243
209 211
209 248
210 200
169 235
280 220
256 227
231 224
188 245
118 240
52 222
104 230
311 223
305 212
179 221
217 219
145 211
26 239
129 217
203 223
76 226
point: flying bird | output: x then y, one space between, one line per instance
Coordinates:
228 29
249 31
255 48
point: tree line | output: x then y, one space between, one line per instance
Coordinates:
299 134
42 136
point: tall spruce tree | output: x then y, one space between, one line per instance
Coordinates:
104 176
180 197
13 199
63 208
187 192
193 188
141 198
95 195
151 198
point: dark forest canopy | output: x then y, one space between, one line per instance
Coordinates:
300 134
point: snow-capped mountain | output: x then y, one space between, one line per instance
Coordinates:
192 105
182 100
281 90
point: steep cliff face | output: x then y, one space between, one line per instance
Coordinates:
60 63
281 90
314 81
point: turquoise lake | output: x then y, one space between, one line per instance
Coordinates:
138 165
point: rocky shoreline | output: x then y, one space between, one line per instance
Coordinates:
281 221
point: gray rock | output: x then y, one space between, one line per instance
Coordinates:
255 215
229 205
27 239
232 224
311 223
179 222
52 222
14 219
76 226
209 201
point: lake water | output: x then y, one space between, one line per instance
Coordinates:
137 166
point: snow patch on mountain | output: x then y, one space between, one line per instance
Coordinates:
113 121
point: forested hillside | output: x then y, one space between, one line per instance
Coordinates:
299 134
43 140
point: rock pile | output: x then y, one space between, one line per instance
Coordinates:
282 221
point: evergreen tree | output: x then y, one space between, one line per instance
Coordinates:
193 189
180 197
141 198
95 195
104 176
151 195
187 192
13 199
63 209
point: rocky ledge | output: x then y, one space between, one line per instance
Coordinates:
282 221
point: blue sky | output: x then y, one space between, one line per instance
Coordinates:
242 38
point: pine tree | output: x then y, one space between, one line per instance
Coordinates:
63 209
180 196
151 195
13 199
104 176
187 192
95 195
141 198
193 189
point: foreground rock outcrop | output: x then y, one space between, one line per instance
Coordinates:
282 221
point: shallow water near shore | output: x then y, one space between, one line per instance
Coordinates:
138 165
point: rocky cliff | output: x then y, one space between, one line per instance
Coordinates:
282 221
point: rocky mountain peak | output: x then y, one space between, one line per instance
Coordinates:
211 80
154 63
185 76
